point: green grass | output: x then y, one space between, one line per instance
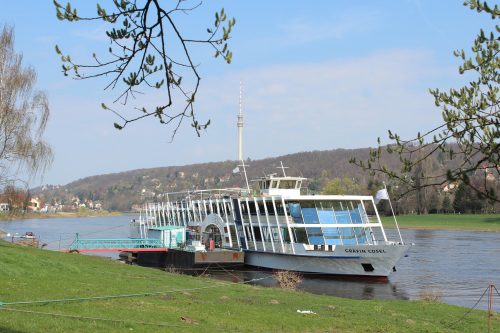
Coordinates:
32 274
478 222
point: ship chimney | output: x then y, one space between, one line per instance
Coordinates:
240 126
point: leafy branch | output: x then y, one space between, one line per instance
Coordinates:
470 132
142 39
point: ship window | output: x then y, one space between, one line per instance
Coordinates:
287 184
295 212
300 235
275 233
299 183
269 206
256 232
307 204
279 208
285 235
264 184
261 209
368 267
252 208
274 184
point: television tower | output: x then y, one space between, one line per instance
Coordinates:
240 126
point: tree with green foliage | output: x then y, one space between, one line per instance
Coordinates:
470 131
149 51
24 113
446 205
466 200
341 186
434 204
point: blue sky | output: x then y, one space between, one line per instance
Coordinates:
316 75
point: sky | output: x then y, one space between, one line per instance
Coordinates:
316 76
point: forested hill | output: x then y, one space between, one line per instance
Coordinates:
120 191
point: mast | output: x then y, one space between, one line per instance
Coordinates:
283 168
245 173
393 215
240 126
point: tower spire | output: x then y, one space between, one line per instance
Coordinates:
240 125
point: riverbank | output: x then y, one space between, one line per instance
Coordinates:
84 213
189 304
468 222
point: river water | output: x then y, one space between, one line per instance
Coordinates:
456 266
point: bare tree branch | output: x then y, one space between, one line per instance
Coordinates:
143 32
23 116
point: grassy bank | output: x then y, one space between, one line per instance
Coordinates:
477 222
191 304
27 216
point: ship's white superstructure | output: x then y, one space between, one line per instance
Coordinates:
278 228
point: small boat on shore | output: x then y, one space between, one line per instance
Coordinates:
28 239
28 235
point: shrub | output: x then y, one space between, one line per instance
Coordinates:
288 279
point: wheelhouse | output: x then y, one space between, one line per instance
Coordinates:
286 186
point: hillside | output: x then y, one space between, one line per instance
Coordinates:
121 191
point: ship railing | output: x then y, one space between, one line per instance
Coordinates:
260 245
114 243
216 193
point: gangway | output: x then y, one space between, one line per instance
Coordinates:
116 245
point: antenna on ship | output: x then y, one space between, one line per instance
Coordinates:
282 168
240 126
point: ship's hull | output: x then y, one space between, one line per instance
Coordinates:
361 260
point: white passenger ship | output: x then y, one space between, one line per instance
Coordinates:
278 228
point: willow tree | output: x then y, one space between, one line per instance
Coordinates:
470 131
149 52
23 116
